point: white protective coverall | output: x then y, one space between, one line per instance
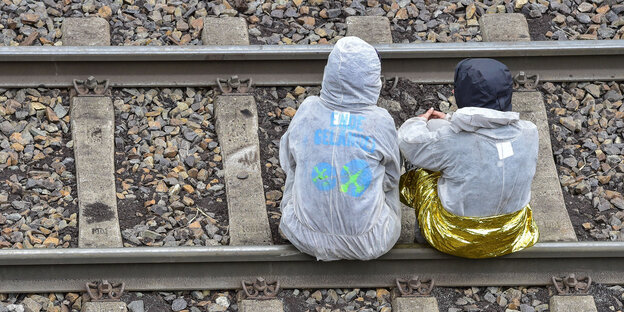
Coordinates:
341 158
487 159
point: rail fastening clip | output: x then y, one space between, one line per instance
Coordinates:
525 81
91 86
565 285
103 291
260 289
414 287
234 85
392 82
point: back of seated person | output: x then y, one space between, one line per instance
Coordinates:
472 199
341 158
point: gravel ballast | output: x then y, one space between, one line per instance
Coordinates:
168 168
586 132
38 194
174 22
463 299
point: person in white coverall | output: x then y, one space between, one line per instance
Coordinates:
472 199
341 158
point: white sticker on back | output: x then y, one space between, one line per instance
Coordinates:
504 150
341 118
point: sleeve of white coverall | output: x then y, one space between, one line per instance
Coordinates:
393 172
288 164
392 163
420 146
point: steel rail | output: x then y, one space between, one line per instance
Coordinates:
224 267
289 65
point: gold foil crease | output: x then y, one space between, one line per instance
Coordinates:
468 237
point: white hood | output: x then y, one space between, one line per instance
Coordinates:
352 76
471 119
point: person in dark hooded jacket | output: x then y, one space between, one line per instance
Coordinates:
473 189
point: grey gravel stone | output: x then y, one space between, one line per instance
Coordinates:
613 96
585 7
570 162
136 306
31 305
603 205
350 295
526 308
583 18
570 123
593 89
178 304
389 105
618 202
490 297
15 308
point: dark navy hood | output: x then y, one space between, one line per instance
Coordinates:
483 82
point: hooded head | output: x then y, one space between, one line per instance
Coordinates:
352 76
483 82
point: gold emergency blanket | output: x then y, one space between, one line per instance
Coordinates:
468 237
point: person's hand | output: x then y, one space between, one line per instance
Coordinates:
437 115
427 114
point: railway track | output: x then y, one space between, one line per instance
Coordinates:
67 269
224 267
